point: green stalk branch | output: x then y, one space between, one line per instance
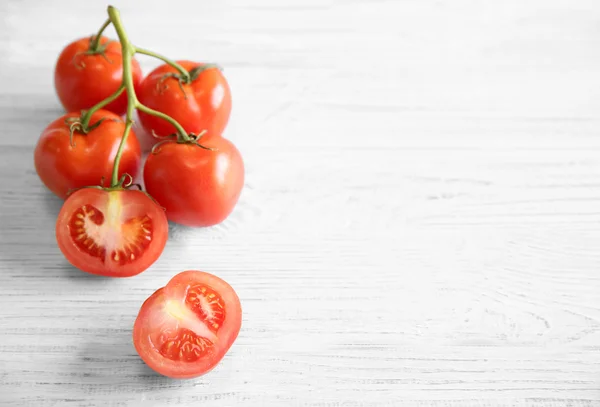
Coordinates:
96 40
127 51
185 75
180 129
85 119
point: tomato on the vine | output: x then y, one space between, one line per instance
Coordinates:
64 163
184 329
114 233
202 105
197 187
84 77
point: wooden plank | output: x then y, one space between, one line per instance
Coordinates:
419 224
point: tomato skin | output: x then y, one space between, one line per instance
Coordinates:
83 80
197 187
204 104
153 317
116 207
63 167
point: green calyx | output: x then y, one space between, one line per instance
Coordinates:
189 77
191 138
95 46
125 183
192 74
78 124
195 73
99 49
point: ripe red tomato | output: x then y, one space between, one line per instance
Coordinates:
63 166
204 104
117 233
82 79
184 329
197 187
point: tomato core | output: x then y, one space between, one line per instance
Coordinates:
202 312
124 240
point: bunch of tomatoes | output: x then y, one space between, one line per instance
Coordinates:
193 176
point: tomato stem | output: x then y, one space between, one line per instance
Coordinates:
184 74
87 116
127 50
180 130
96 40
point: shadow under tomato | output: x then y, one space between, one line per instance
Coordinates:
182 233
73 273
115 366
107 362
51 202
179 232
154 380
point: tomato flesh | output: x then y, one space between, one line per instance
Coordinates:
184 345
184 329
112 233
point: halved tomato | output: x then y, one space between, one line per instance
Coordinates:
117 233
184 329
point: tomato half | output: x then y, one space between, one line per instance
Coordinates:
82 80
117 233
63 166
184 329
204 104
197 187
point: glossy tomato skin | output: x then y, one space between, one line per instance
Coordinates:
205 104
63 166
117 233
170 310
197 187
83 80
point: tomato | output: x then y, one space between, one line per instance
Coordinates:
82 79
197 187
204 104
63 166
117 233
183 330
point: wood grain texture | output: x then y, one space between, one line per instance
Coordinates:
419 227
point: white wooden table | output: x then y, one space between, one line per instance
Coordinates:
420 224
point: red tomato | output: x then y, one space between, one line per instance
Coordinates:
184 329
117 233
82 80
197 187
63 166
204 104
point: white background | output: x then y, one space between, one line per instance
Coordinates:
420 224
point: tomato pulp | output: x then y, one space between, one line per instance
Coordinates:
184 329
117 233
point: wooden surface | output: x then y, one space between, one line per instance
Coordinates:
420 224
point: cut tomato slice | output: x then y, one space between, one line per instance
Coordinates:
112 233
184 329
